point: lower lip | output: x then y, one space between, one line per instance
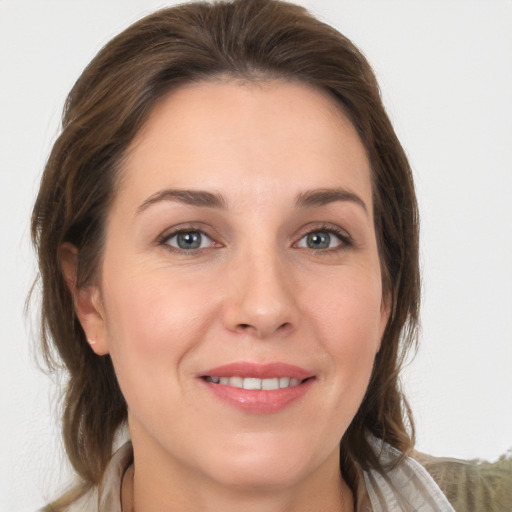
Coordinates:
259 401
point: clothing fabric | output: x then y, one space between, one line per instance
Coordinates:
472 485
407 487
420 484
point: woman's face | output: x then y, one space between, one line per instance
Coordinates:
241 253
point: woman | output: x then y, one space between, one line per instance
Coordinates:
227 236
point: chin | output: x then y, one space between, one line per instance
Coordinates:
263 468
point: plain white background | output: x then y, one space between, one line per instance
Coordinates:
445 68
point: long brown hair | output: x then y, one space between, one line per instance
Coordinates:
249 39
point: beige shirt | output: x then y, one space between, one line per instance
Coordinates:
421 484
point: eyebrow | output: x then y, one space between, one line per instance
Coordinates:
202 198
324 196
189 197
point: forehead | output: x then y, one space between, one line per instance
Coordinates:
246 138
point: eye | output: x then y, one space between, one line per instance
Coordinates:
323 239
189 240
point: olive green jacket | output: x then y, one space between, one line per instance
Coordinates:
472 486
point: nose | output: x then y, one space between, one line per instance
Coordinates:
261 299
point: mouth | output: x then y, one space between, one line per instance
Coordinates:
255 383
258 388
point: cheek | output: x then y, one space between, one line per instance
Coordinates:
153 324
351 310
349 319
154 320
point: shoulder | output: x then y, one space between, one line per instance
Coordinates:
105 496
472 485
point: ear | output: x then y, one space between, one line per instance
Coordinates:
87 300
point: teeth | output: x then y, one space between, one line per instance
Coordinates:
237 382
249 383
270 384
255 383
284 382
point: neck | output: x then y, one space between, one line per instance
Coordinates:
148 489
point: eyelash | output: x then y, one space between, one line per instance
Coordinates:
344 238
164 240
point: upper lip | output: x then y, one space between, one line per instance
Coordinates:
258 370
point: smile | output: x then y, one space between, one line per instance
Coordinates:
254 383
258 388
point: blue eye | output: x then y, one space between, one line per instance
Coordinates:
189 240
322 239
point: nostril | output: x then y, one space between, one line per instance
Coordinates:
262 330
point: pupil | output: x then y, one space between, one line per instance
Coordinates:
318 240
191 240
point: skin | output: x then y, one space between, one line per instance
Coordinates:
254 291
